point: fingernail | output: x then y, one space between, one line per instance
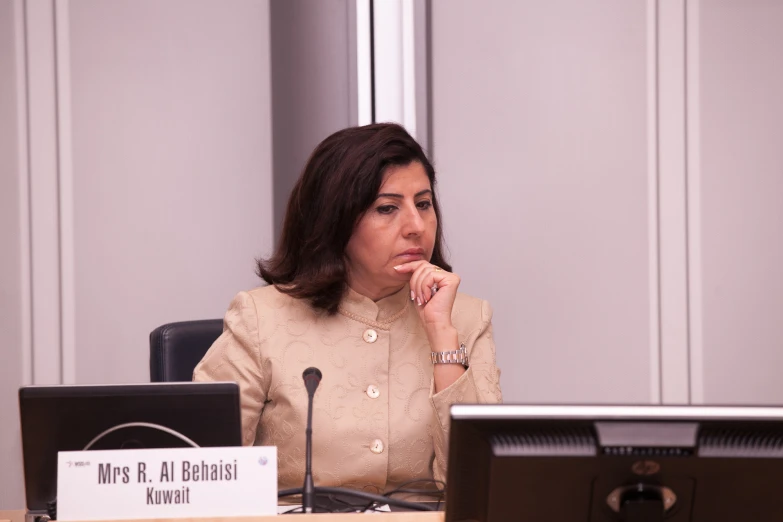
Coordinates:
413 296
397 267
418 300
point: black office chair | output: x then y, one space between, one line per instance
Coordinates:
176 348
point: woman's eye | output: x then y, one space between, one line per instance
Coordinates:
386 209
424 205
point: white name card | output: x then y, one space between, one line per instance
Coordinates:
167 483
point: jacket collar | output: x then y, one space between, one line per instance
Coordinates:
380 314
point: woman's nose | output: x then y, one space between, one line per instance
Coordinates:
414 224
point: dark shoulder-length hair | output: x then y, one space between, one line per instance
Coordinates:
340 181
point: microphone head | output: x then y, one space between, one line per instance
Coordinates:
312 371
312 378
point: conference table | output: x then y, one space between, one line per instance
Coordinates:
12 516
410 516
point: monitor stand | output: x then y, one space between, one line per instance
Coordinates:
642 511
642 504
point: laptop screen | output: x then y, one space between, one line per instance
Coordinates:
68 418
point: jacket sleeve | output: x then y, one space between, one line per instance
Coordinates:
480 384
236 356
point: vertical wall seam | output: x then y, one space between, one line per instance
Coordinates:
58 163
687 200
29 186
658 194
372 60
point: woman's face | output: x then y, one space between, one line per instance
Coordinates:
399 227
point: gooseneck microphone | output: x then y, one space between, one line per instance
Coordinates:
312 377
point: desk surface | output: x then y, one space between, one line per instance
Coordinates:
417 516
12 516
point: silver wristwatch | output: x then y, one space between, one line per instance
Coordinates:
452 357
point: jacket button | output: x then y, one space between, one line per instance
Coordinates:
373 392
370 335
376 446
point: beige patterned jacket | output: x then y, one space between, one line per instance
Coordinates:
376 422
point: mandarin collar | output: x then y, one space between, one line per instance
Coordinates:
381 313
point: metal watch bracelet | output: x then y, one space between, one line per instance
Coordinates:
451 357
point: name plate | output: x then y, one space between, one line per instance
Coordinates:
167 483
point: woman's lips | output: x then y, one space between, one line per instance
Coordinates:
412 254
411 257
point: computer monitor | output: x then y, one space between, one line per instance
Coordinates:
511 463
67 418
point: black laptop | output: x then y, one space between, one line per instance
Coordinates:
127 416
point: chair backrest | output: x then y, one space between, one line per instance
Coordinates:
176 348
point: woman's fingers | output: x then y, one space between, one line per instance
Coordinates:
409 267
430 281
413 269
424 278
415 284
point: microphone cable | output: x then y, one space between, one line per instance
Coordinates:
359 495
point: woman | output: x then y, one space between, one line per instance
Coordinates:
358 287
